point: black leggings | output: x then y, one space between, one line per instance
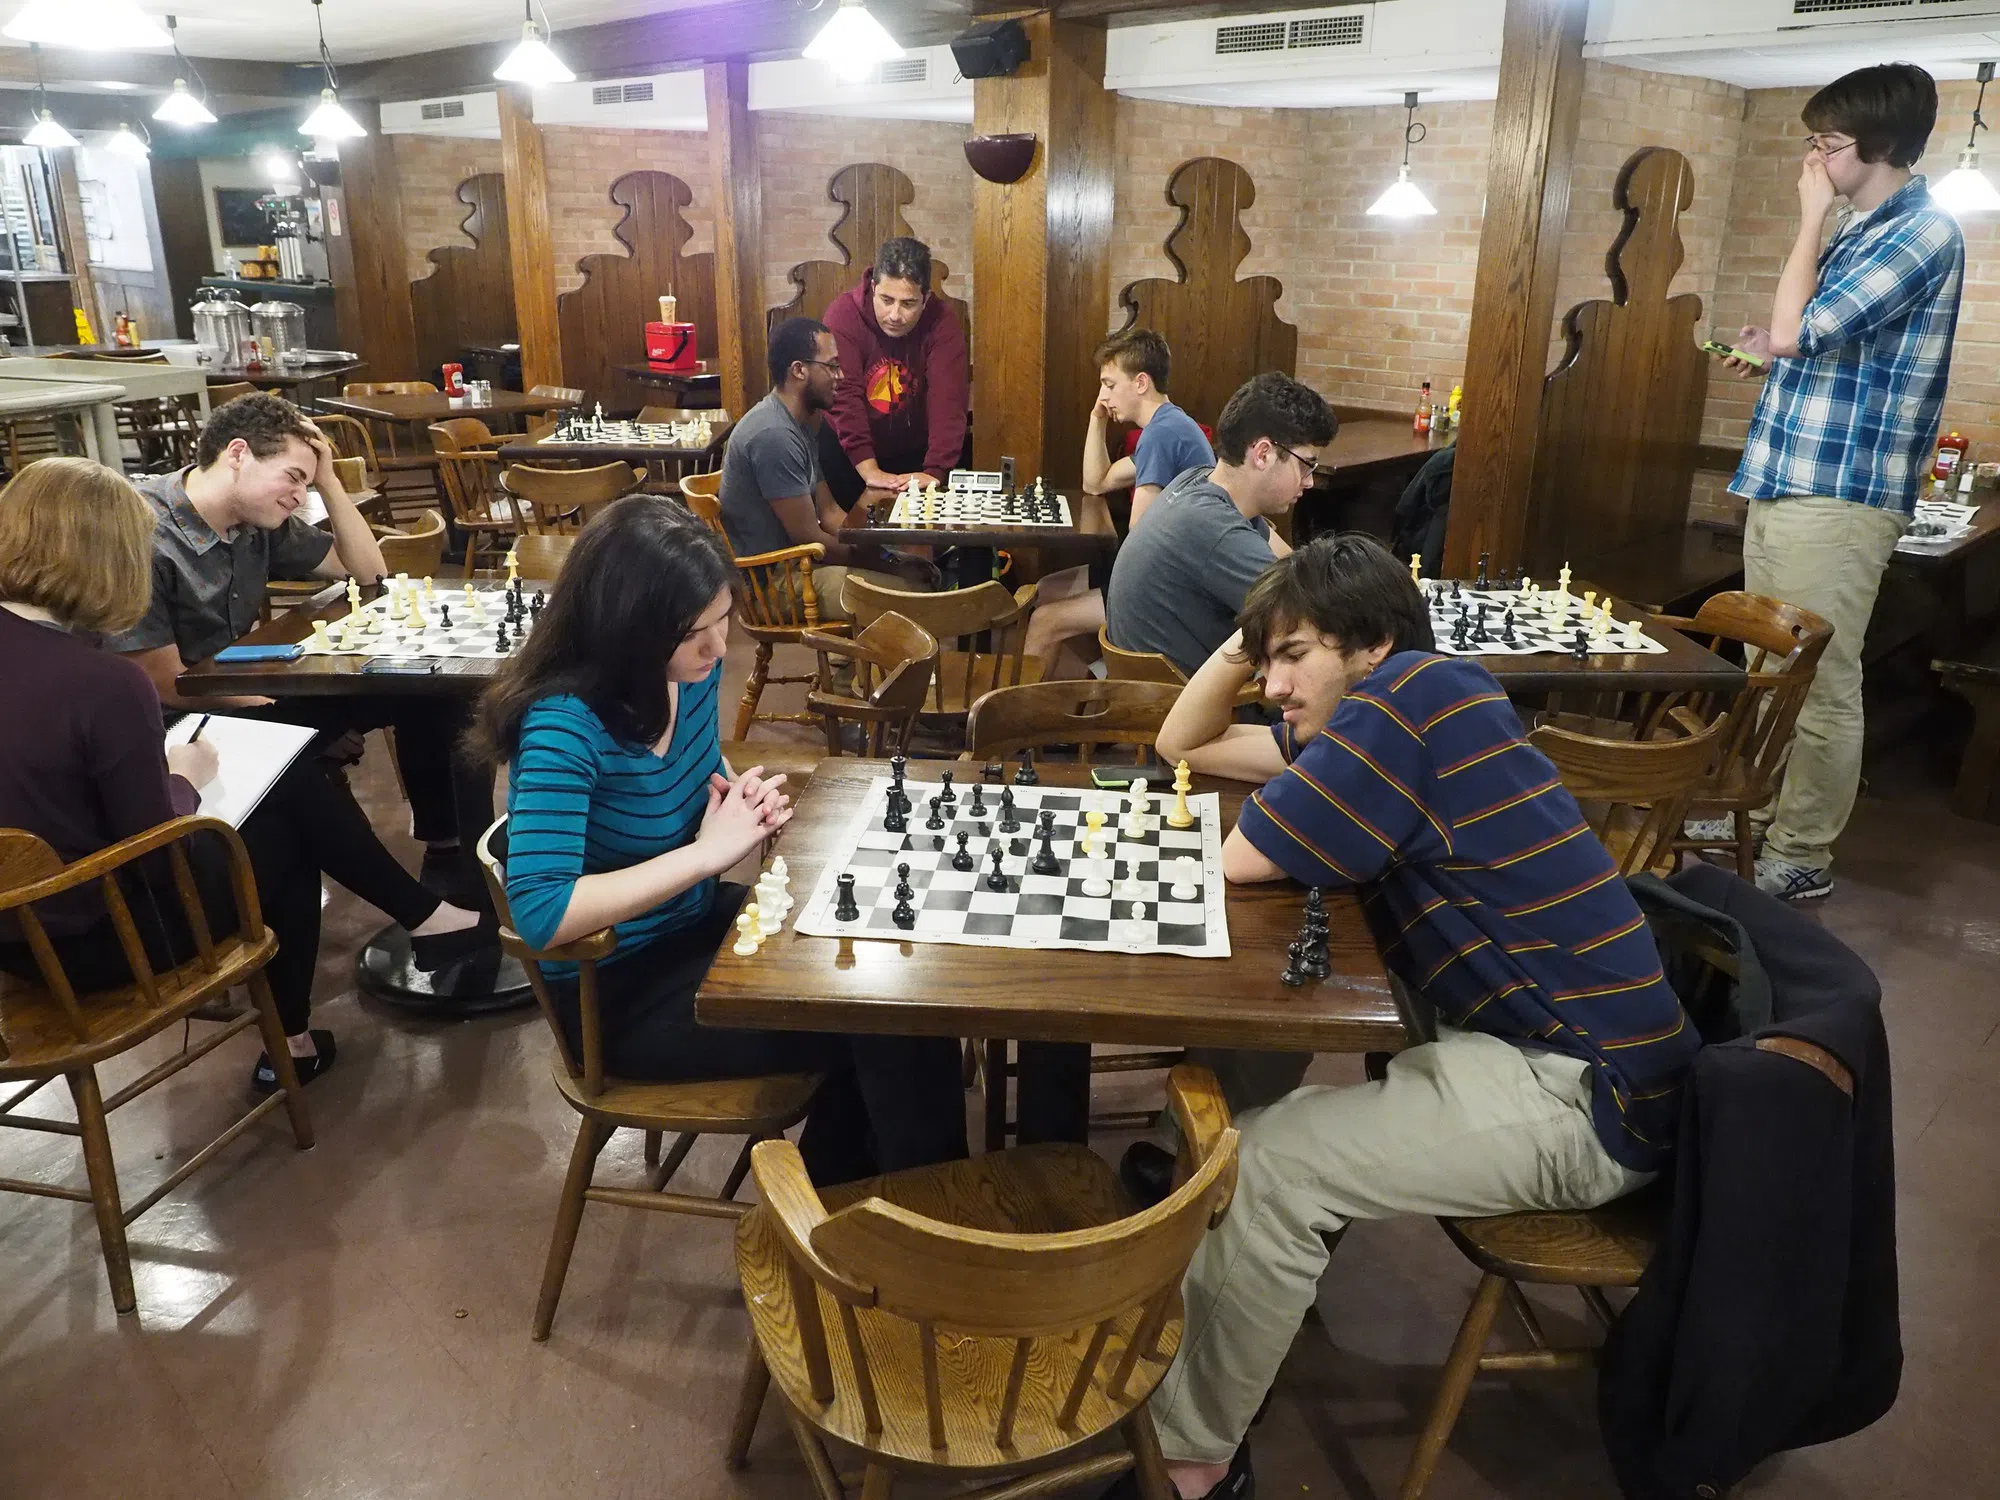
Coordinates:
307 825
888 1102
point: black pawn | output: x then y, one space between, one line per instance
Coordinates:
936 819
845 909
1024 774
996 880
1454 589
904 915
1458 634
978 806
1482 581
503 645
1008 822
444 617
535 604
963 859
903 891
947 796
1294 974
1520 578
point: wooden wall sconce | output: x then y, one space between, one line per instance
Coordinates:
1001 158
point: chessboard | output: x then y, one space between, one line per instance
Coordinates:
1141 914
944 509
411 621
1525 621
586 432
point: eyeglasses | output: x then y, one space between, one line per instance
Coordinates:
824 364
1814 143
1310 465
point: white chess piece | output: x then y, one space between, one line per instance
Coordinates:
1186 871
353 595
747 936
769 918
320 637
1098 881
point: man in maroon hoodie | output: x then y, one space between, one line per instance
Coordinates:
901 410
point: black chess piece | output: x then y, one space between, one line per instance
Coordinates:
963 860
1520 578
1008 822
996 879
1454 590
903 914
977 808
1458 642
903 891
1024 774
535 604
936 820
845 908
899 766
503 645
1507 629
1480 635
1482 581
1294 975
893 818
947 796
1580 647
444 617
1046 862
994 772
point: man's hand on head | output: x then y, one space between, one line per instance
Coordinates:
324 455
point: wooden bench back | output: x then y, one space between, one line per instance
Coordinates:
1084 712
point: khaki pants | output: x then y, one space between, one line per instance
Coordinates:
1467 1124
1826 556
828 581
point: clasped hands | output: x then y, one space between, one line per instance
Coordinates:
742 813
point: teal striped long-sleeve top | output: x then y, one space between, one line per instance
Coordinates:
580 803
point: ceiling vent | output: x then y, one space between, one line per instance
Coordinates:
1911 8
904 70
622 93
444 109
1255 36
1346 30
1328 31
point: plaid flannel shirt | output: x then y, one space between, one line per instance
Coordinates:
1853 416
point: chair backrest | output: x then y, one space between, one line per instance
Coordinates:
571 393
123 356
953 616
1634 793
31 871
472 484
702 493
1083 712
460 435
349 435
1781 646
894 660
1068 1296
222 395
540 556
388 388
587 1066
416 548
570 496
1136 666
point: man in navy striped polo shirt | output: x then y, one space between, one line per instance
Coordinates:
1555 1078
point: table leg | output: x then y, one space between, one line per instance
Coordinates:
104 424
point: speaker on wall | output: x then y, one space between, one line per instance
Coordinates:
992 49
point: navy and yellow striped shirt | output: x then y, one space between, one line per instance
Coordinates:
580 803
1484 887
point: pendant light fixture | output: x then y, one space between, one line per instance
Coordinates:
45 131
853 43
88 25
330 121
128 143
532 62
1966 189
1404 199
182 107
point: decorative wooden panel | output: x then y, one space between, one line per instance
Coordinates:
468 298
1621 416
1221 330
604 320
872 196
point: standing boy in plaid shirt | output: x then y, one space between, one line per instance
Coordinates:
1858 354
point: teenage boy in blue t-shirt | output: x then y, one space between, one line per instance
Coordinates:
1133 368
1554 1082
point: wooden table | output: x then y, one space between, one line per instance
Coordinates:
705 378
136 381
1083 536
436 406
290 378
1685 666
1061 994
1360 476
25 400
469 987
601 451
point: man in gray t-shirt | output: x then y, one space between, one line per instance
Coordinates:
773 494
1181 575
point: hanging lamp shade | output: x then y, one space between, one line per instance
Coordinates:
1403 199
127 143
1966 189
532 62
46 132
183 108
330 121
853 43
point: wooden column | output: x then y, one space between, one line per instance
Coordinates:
529 240
1514 293
1041 255
737 187
364 252
73 236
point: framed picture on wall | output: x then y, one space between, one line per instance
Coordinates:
242 222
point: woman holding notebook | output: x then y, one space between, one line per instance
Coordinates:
82 766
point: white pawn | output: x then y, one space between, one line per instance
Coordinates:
748 937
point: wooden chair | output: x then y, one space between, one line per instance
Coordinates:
957 617
483 514
222 395
756 1108
1590 1250
564 499
392 439
350 439
1635 793
1781 646
1136 666
48 1031
416 549
540 556
983 1319
776 604
893 662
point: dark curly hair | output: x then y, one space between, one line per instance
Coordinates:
1277 407
263 421
1348 587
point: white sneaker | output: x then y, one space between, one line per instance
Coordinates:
1710 830
1790 882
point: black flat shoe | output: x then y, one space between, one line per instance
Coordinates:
442 948
1238 1484
264 1077
1147 1171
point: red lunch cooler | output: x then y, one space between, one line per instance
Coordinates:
670 346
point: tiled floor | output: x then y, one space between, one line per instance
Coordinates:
353 1322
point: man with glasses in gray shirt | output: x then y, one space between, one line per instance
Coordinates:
1181 575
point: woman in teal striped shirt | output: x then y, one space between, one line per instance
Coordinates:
623 813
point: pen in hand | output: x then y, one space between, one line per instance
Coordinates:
199 728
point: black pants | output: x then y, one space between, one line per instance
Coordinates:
449 798
888 1102
307 825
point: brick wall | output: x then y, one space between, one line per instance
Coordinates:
582 162
429 169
